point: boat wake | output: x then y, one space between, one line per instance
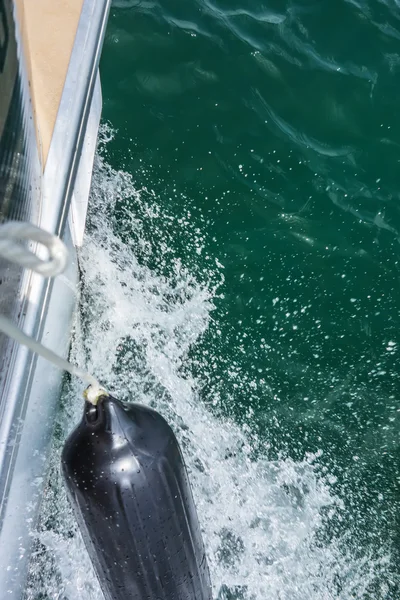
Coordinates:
264 522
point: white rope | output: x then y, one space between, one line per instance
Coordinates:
8 327
13 233
12 248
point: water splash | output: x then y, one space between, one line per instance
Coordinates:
263 521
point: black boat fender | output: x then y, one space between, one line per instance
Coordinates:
131 495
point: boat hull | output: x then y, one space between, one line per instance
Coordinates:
29 386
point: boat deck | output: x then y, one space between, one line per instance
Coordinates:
48 31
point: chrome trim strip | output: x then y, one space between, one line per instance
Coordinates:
79 200
73 113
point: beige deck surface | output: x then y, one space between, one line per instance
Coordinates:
48 28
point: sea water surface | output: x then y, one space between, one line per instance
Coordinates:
241 274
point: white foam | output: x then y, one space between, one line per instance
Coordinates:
261 519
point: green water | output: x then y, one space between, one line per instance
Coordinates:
273 129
